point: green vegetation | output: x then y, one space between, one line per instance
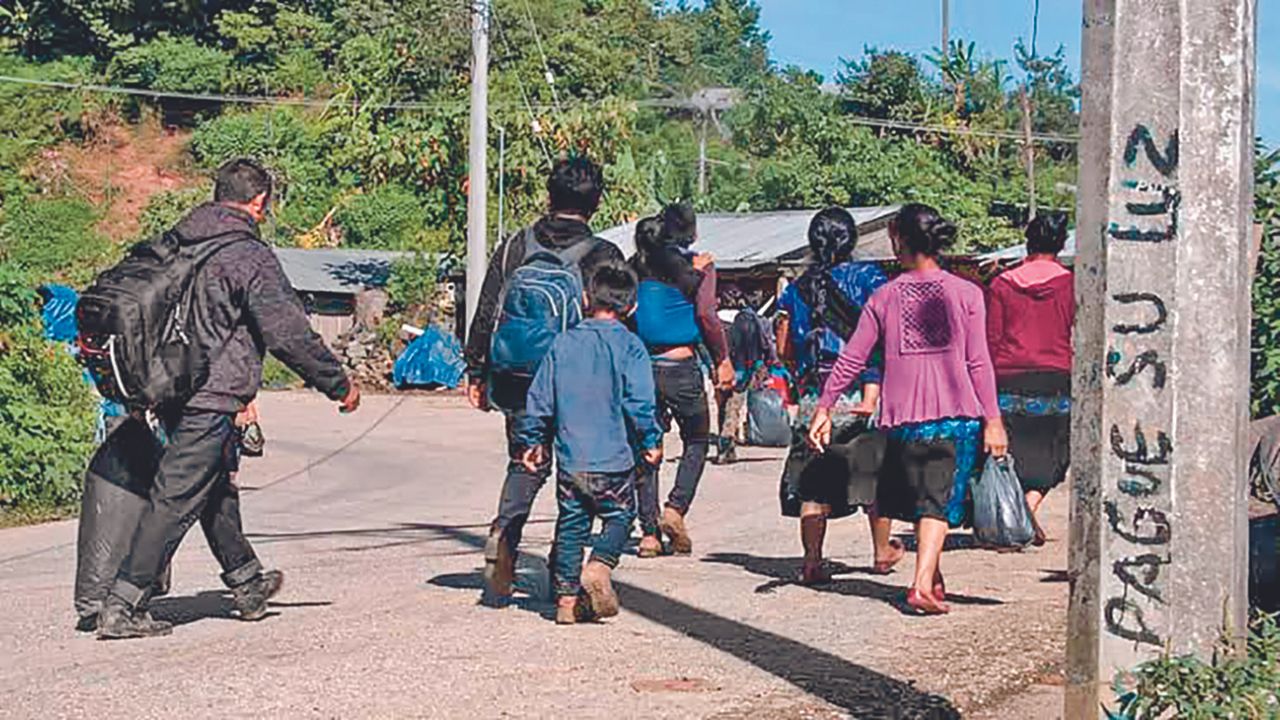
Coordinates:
1234 685
380 174
1266 288
358 167
47 416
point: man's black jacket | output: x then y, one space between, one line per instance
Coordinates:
249 308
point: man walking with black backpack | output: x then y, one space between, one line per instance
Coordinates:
509 330
243 306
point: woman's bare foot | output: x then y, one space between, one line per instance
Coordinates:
1039 539
923 603
815 574
884 565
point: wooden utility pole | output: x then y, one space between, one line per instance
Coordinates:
1028 152
1159 532
478 156
702 154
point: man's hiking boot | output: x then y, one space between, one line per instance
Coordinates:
250 599
598 599
672 525
650 547
499 569
118 621
567 610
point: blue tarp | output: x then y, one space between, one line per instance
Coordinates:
435 358
59 320
59 314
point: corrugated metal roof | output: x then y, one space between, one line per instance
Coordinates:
342 271
1019 251
744 240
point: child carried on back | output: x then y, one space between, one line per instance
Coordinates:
593 396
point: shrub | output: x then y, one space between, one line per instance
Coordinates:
413 279
1232 686
17 297
54 239
166 208
291 144
47 421
171 64
390 217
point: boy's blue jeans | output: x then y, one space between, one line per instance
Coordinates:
582 497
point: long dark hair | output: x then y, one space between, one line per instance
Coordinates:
655 259
833 235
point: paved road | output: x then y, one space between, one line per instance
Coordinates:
378 518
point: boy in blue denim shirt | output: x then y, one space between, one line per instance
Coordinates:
594 394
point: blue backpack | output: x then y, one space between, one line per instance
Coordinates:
542 298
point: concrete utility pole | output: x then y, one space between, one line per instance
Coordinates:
478 185
1158 518
946 26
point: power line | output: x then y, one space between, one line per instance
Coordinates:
238 99
546 66
524 93
528 105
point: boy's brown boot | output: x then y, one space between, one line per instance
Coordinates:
597 585
672 524
566 610
650 547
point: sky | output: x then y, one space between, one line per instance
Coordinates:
815 34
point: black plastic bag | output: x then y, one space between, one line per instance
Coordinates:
768 424
116 489
1001 517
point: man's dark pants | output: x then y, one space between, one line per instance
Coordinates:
519 490
682 394
193 483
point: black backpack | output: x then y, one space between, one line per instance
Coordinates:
137 329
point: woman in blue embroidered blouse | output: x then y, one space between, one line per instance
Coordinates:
818 312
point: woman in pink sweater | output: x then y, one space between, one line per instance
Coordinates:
938 401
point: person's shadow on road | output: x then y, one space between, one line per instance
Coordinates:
212 605
785 571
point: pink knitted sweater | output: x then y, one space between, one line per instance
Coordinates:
932 328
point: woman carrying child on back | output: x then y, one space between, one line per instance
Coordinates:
676 312
938 401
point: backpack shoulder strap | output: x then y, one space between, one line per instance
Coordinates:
577 252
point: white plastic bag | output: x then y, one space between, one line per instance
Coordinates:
1001 517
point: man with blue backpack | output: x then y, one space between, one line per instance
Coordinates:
531 293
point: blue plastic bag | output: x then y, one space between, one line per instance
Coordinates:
59 314
1001 517
435 358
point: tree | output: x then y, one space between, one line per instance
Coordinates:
884 84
